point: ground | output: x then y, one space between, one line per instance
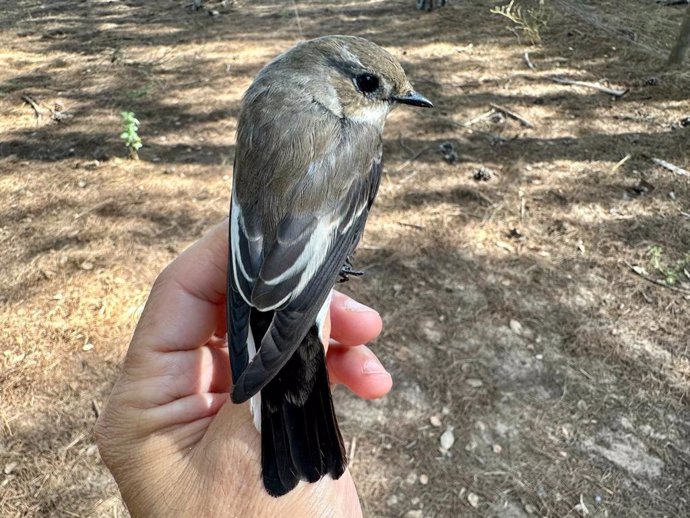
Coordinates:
527 318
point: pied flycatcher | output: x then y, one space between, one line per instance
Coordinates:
308 163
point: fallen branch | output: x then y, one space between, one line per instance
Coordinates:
640 273
596 86
512 115
670 167
37 109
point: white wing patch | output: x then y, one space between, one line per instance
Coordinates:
236 226
255 401
316 250
309 261
360 210
235 237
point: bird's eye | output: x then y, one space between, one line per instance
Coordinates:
367 83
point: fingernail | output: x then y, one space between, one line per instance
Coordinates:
355 307
373 366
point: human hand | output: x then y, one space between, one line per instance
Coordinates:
175 444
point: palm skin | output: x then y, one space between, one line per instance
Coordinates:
175 444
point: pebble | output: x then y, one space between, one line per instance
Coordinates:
474 382
423 479
431 332
435 420
414 514
447 439
516 327
9 467
473 499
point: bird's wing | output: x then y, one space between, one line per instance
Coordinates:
297 274
244 262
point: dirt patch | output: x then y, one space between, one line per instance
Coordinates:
524 315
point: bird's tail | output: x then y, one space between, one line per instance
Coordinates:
300 439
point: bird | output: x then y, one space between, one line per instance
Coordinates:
308 162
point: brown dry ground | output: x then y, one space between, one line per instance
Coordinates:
578 407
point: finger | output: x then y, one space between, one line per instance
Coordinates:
175 375
182 311
358 369
326 331
353 323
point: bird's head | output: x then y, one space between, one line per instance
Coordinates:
355 78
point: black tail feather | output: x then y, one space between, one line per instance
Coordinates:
300 439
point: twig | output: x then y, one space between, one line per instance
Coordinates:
99 205
686 214
412 159
670 167
483 197
527 60
405 146
495 137
74 442
353 449
478 118
96 408
37 109
409 176
637 271
621 162
512 115
611 91
411 225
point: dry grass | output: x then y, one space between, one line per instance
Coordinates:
579 403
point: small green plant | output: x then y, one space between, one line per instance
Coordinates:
130 134
528 20
671 272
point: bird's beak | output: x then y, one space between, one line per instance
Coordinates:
414 99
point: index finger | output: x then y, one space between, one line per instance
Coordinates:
186 302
